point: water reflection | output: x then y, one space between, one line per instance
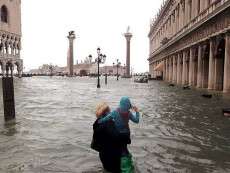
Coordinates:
10 128
180 131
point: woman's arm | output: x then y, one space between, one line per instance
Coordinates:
106 118
134 117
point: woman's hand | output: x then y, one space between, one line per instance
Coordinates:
135 109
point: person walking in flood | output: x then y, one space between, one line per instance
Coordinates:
105 140
121 117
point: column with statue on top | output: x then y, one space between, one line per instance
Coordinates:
70 60
128 37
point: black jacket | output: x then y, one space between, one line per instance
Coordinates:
106 141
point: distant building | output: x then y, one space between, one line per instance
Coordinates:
10 37
112 70
82 69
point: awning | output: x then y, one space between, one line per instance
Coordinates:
159 67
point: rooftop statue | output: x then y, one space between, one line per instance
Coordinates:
128 28
71 33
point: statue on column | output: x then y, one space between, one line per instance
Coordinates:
128 28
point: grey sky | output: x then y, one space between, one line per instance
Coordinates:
45 25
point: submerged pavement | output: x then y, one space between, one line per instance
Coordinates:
179 131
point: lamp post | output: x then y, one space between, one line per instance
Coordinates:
106 75
117 65
124 70
51 69
100 59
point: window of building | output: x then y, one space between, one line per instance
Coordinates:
4 14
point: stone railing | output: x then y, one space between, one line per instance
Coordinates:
199 19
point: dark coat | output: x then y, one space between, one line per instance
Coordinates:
106 141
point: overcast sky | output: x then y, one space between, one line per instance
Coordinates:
97 23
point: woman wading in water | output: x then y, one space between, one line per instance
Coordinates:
116 127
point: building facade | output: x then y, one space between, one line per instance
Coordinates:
190 43
10 37
79 69
113 70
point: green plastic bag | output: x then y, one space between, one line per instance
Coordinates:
127 164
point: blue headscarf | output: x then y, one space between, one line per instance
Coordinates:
125 104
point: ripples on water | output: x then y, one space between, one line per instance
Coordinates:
179 130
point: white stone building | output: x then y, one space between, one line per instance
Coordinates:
10 37
190 43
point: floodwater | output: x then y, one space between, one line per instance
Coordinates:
179 131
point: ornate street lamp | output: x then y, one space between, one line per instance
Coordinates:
106 75
117 65
51 69
124 68
100 59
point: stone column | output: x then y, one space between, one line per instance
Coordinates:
150 69
12 70
219 73
178 69
174 22
187 11
7 70
174 69
70 60
170 69
205 4
227 64
169 25
164 72
176 19
7 48
183 13
205 71
167 67
193 8
191 65
202 5
154 72
199 73
211 64
195 67
20 69
184 70
128 37
181 21
171 64
187 68
3 68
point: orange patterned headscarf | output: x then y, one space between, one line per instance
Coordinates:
101 109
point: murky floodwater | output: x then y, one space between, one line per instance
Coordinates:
179 131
